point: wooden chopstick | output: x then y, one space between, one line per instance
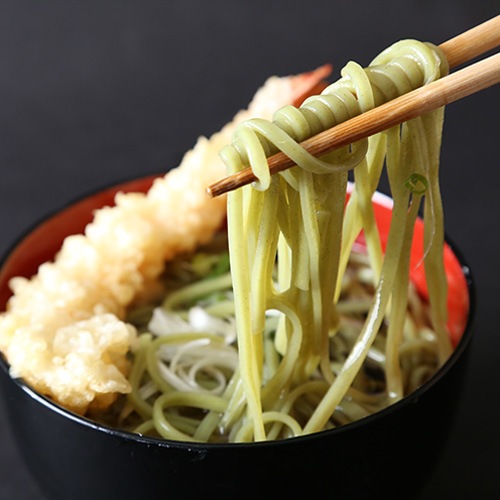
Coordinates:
462 83
472 43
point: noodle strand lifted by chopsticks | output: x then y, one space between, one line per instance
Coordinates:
308 283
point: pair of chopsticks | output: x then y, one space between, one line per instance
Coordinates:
451 88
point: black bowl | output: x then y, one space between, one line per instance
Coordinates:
391 453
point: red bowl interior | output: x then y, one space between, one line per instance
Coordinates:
43 242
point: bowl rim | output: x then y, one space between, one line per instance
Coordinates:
128 436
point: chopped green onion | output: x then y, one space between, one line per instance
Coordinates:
417 183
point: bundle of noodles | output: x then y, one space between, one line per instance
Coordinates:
312 239
290 240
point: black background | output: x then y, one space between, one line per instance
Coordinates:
101 91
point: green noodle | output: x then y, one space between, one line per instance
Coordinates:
291 238
359 90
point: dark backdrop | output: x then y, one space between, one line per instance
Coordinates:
96 92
